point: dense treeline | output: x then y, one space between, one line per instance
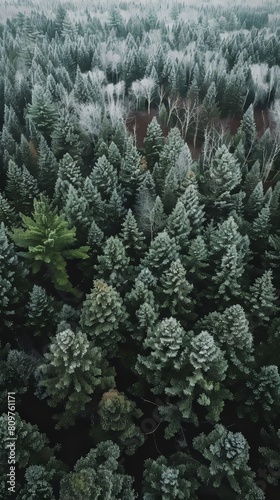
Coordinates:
132 278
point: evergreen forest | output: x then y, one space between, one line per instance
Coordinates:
140 250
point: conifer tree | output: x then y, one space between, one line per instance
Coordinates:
162 252
194 208
178 226
30 442
49 240
69 173
153 142
261 299
223 176
38 484
21 187
132 238
76 211
47 168
130 170
117 414
248 126
41 311
98 473
227 455
176 291
173 477
261 396
7 213
12 277
102 316
42 112
168 157
72 370
114 156
151 217
104 177
113 265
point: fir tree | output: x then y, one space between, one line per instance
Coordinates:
21 187
98 473
153 142
42 112
113 265
69 173
176 291
73 369
132 238
12 276
162 252
173 477
47 168
104 177
41 311
49 240
102 316
227 455
178 226
194 208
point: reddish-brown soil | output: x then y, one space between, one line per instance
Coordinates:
139 121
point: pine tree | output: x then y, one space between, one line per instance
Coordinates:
113 265
38 484
176 291
153 142
69 173
194 208
21 187
98 473
104 177
17 372
41 311
261 397
114 156
12 277
170 478
49 240
31 443
162 252
227 455
72 370
262 297
47 168
178 226
7 213
42 112
223 176
248 126
132 238
228 274
102 317
168 157
166 344
130 170
117 414
230 330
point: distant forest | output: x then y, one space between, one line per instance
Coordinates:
140 250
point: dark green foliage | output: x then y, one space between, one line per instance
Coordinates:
102 314
98 473
72 370
12 276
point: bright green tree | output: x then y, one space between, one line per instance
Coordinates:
49 240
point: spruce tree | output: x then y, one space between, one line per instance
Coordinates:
47 168
261 299
226 454
42 112
132 238
41 311
12 277
104 177
162 252
72 370
153 142
48 241
98 474
69 173
194 208
102 316
21 187
178 226
176 291
113 264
